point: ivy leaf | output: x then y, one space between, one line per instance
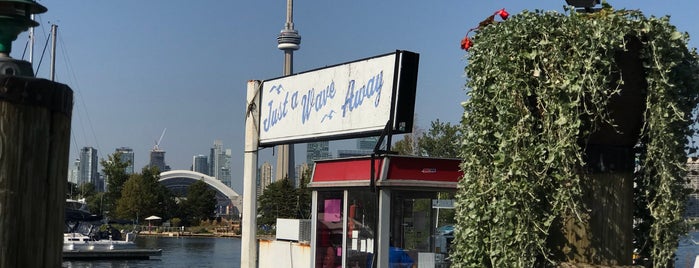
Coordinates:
561 121
550 159
531 55
675 35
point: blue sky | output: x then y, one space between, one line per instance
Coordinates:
138 67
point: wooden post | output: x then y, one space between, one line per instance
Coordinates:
35 117
605 234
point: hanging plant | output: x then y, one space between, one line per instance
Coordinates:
540 85
466 43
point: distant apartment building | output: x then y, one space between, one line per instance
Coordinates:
367 143
126 156
692 210
264 177
220 163
88 166
365 146
300 169
200 163
316 151
74 172
157 159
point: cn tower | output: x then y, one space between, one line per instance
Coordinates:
287 41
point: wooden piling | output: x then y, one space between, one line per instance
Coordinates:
35 118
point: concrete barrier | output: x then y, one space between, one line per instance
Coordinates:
273 253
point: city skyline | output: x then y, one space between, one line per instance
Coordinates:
133 78
88 165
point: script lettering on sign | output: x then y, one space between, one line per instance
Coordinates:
333 101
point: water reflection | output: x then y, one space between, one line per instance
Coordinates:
177 252
687 250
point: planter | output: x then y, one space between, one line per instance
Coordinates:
605 236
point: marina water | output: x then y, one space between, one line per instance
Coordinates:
225 252
211 252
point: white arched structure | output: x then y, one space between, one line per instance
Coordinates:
179 180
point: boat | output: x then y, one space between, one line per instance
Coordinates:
80 241
82 238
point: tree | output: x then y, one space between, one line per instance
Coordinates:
304 196
86 190
71 190
406 145
133 199
115 172
95 203
201 201
141 195
279 200
409 144
441 140
165 205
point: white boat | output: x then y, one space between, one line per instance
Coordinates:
81 234
81 242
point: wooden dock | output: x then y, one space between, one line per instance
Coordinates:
140 254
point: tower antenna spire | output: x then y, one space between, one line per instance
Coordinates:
287 41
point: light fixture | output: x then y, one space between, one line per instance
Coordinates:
583 5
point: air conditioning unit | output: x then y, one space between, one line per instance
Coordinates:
293 230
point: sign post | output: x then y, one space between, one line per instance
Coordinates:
248 245
349 100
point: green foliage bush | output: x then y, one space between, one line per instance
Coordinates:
201 230
175 222
540 84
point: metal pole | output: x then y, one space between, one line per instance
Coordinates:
248 245
54 32
31 42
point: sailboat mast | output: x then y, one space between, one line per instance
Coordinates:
31 42
54 32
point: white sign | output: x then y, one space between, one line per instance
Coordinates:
356 97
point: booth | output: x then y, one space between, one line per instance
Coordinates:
375 210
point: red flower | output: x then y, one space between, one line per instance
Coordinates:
466 43
503 14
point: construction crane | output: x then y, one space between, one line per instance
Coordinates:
157 143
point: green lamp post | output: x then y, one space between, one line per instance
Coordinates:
35 115
14 19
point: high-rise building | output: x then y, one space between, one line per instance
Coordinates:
692 209
300 169
157 159
74 172
264 177
214 152
126 156
88 167
200 163
316 151
365 146
220 163
367 143
225 171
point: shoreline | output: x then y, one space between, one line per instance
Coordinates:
187 234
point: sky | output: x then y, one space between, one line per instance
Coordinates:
139 67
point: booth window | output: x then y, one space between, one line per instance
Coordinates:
361 223
421 226
329 229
